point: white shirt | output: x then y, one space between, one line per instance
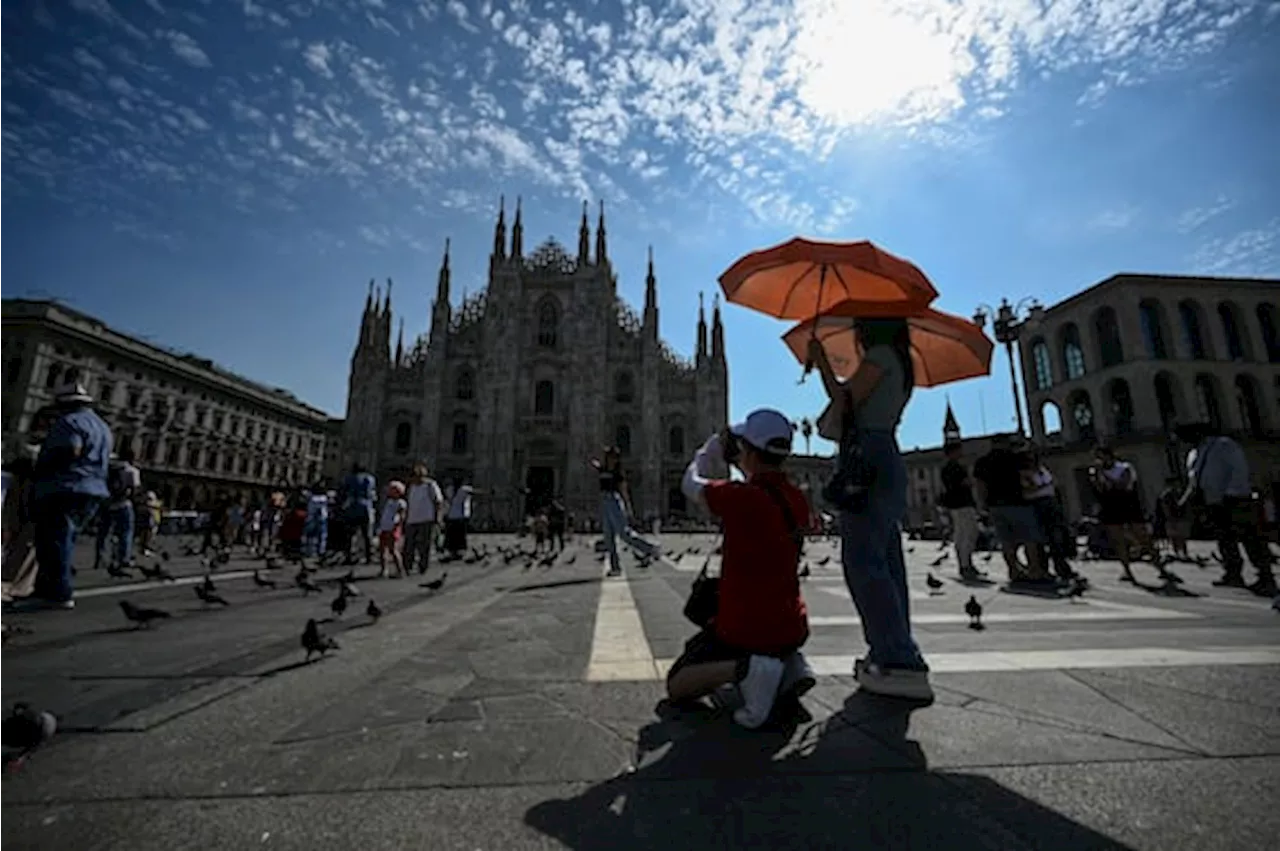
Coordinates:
390 513
1219 468
127 476
1116 472
698 474
460 504
1039 484
423 498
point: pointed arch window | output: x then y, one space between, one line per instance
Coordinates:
544 398
1042 364
464 386
548 324
675 440
404 437
624 388
461 438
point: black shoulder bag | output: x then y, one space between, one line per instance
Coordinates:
704 596
849 488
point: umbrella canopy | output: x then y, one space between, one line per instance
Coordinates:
803 278
944 348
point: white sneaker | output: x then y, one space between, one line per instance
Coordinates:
797 676
759 689
893 682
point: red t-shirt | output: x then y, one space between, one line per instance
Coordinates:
760 606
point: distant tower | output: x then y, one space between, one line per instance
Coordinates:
950 428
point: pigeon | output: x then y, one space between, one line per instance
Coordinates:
26 729
209 597
1077 588
143 617
207 585
339 605
934 583
157 572
939 560
804 572
373 611
974 610
314 642
822 562
435 584
164 555
910 550
263 583
303 581
987 557
571 559
548 561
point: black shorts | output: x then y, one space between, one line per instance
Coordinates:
706 647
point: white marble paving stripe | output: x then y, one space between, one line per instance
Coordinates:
1088 611
619 647
141 587
1056 660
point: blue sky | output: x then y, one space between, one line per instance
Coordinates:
225 177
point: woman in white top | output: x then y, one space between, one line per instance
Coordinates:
1040 492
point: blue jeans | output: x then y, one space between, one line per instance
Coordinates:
315 535
59 517
117 520
613 522
871 553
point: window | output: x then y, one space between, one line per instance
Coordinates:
404 437
460 438
1107 327
624 387
135 400
1270 333
219 421
1207 407
1072 352
106 394
243 466
1193 329
622 439
1152 316
1232 331
211 461
544 398
171 454
1249 404
228 462
1121 407
464 385
1082 415
1166 401
53 377
675 440
259 467
548 324
1042 364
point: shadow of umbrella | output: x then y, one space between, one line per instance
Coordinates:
854 780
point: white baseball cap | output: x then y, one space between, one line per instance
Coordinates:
767 430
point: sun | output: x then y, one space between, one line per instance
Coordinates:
863 62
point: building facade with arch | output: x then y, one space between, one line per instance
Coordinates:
514 389
1126 360
199 432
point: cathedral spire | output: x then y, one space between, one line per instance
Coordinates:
400 344
584 239
442 282
950 426
702 331
386 307
602 248
651 300
517 234
717 333
368 301
500 230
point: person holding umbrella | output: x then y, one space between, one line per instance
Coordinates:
871 402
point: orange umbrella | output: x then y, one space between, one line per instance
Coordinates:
944 348
803 278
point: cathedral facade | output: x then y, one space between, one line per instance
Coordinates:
519 386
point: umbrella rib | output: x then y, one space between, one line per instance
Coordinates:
786 302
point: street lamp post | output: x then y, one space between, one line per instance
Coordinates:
1007 325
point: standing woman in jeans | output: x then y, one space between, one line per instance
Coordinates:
615 508
871 538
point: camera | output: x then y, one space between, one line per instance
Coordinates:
731 446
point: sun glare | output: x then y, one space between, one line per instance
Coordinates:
859 62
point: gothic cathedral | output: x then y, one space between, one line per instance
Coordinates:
515 389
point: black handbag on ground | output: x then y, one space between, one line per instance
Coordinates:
849 488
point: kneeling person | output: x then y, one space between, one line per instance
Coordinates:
761 621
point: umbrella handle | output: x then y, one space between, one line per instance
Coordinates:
817 307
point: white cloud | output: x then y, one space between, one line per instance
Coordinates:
1194 218
186 49
1114 218
105 12
1254 252
317 57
